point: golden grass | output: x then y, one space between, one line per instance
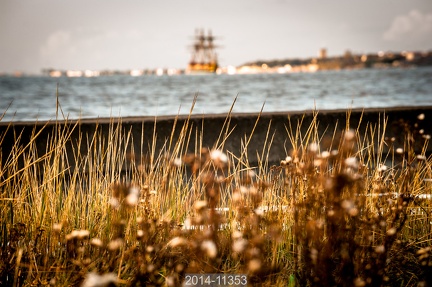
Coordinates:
337 211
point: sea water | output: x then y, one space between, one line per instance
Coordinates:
34 98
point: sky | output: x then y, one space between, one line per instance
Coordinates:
144 34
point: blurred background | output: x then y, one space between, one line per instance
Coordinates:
50 43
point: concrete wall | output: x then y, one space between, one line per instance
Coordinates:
208 128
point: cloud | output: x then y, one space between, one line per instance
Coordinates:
414 27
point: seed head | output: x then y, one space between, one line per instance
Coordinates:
114 202
150 249
140 233
421 157
82 234
391 231
177 241
236 197
244 189
177 162
314 255
200 204
95 280
286 161
209 247
133 197
96 242
351 162
179 267
358 282
219 158
313 147
349 135
153 192
422 251
150 268
132 200
382 168
254 265
325 154
380 249
239 245
57 227
170 281
78 234
237 235
259 211
353 211
115 244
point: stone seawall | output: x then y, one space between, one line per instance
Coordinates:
265 135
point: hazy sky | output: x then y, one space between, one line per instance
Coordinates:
125 34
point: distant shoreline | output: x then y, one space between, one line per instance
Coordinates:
347 61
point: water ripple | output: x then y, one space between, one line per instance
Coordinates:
35 97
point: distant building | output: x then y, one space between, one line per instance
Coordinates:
322 53
411 56
55 73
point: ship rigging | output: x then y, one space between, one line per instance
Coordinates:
204 57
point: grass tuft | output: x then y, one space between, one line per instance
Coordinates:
341 209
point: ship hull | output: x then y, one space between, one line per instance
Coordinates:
202 68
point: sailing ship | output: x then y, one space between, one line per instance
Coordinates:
204 58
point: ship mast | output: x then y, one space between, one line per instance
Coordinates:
203 57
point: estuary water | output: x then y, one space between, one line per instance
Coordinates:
34 98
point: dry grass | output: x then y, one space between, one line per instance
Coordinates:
337 211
